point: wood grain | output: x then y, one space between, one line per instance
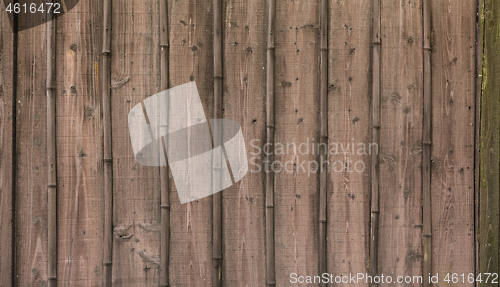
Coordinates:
135 75
79 146
30 217
297 121
350 122
8 75
453 106
401 140
489 139
244 52
191 59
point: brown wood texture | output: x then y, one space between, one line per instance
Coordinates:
8 75
296 77
350 122
191 59
243 217
79 146
287 84
30 216
453 116
400 151
135 68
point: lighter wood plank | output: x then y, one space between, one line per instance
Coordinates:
350 122
244 101
191 59
453 106
79 146
135 75
297 120
400 252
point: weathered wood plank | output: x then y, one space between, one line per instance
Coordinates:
401 140
350 122
8 68
31 152
489 139
79 146
244 101
453 116
135 75
245 49
297 121
191 59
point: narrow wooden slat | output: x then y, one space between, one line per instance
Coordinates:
31 218
217 197
375 168
297 110
51 152
245 44
350 123
323 157
8 76
400 158
79 134
107 152
270 128
489 138
452 40
164 171
191 59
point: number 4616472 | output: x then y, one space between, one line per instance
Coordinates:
32 8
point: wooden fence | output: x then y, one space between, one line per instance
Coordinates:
416 79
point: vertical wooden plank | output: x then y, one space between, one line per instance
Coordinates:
191 59
135 75
489 139
51 150
31 152
244 101
79 146
8 75
350 123
400 155
297 121
164 171
453 106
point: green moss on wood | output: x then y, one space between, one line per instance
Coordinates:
489 184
